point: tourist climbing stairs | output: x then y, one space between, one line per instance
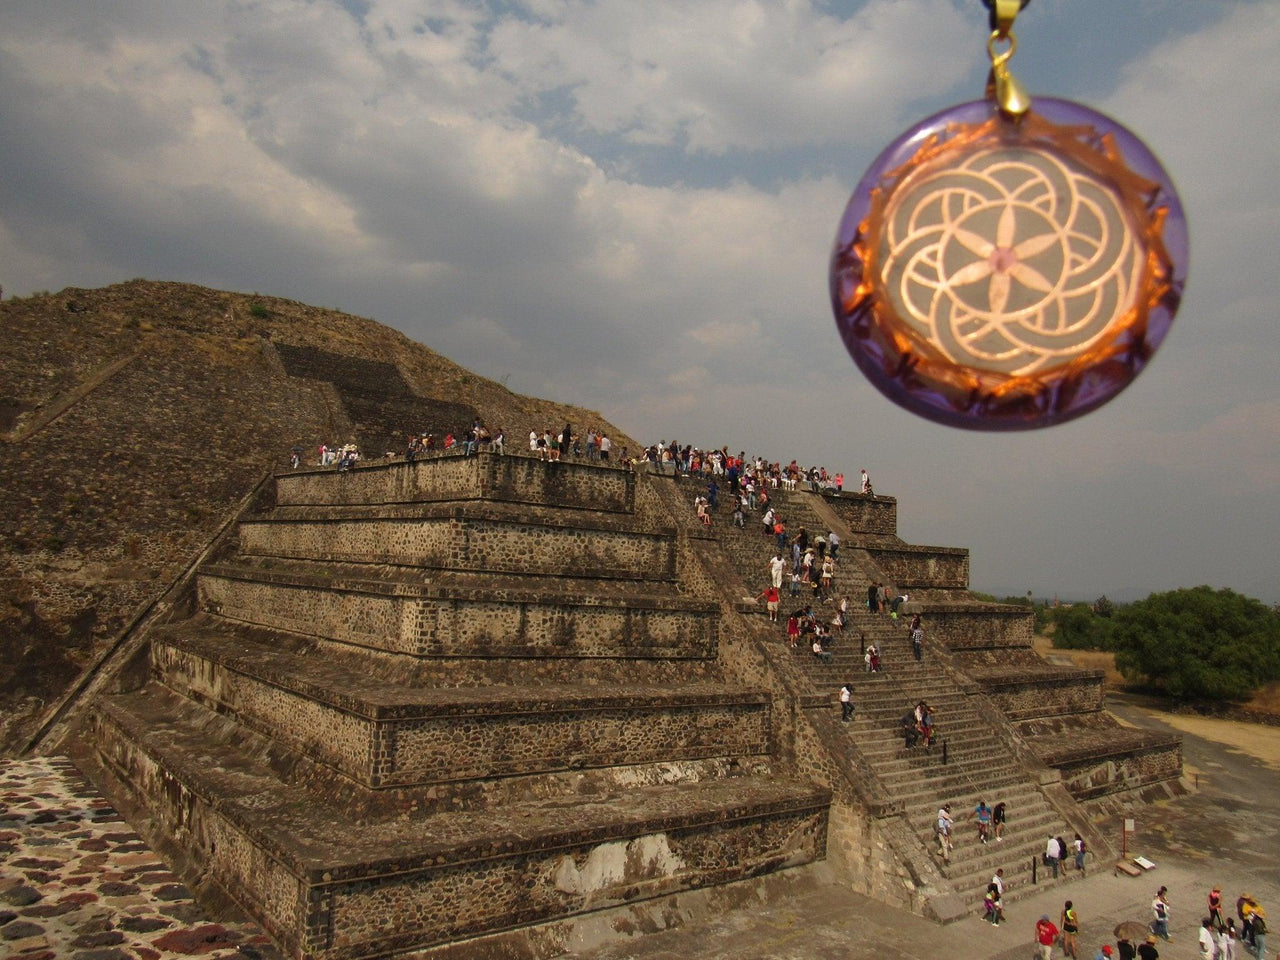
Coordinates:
971 759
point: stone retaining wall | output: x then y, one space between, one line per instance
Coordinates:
910 566
352 913
486 624
877 515
264 887
476 738
1041 694
1103 771
961 628
516 479
451 903
470 543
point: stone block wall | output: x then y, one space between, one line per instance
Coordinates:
460 736
376 903
451 903
1042 694
514 479
972 627
910 566
472 543
452 623
869 515
1099 773
268 890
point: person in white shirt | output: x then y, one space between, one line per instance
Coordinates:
1052 854
776 566
1208 948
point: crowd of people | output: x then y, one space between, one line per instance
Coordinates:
546 444
757 472
989 821
1219 937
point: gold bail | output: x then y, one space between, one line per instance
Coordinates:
1005 13
1002 86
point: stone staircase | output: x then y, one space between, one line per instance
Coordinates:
423 703
974 756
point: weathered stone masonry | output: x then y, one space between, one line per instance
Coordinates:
361 647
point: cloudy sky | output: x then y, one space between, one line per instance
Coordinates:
630 204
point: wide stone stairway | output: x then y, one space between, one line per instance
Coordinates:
975 756
420 703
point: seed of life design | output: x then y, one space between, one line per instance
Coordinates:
1009 261
1006 274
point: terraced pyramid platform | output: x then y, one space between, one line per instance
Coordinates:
429 701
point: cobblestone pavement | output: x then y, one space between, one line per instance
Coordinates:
77 883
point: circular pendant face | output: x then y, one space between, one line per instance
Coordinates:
1003 274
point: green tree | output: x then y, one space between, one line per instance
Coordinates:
1079 628
1103 606
1199 643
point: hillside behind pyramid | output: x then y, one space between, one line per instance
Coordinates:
135 421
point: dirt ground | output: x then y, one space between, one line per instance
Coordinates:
1254 739
1085 659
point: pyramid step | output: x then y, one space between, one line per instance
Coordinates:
973 863
449 477
333 889
456 617
1028 806
383 735
921 804
885 746
932 770
478 537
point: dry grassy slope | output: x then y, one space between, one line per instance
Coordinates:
132 420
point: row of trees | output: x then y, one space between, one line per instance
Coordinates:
1196 643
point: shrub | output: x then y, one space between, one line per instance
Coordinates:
1200 643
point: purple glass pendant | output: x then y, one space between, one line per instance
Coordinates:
1008 273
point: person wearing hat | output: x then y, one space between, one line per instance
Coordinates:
1046 933
1147 949
1104 952
1215 908
1245 905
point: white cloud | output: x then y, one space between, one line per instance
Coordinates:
470 173
724 74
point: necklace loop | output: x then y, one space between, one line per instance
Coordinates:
998 60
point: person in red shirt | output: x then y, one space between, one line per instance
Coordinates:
771 599
1046 933
1215 908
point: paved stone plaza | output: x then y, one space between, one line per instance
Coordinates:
76 882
